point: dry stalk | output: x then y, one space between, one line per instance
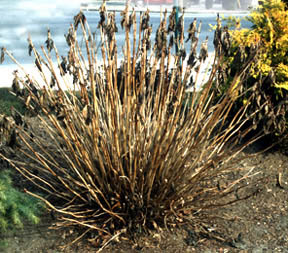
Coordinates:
129 148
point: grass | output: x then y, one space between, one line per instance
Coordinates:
8 100
131 153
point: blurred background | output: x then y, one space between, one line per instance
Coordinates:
21 18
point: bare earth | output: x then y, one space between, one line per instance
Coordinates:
257 224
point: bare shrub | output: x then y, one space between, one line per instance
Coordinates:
126 148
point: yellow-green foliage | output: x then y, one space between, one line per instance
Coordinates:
270 34
264 46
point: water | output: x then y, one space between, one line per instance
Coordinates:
23 17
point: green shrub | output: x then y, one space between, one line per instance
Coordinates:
15 206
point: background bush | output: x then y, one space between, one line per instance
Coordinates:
268 74
15 206
8 100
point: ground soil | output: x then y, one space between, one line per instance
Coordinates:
257 224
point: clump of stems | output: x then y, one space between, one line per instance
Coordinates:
123 145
